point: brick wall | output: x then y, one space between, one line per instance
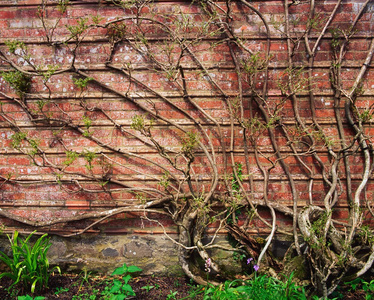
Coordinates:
44 187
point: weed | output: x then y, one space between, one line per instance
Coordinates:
60 290
84 275
367 287
86 296
147 287
120 288
258 288
172 295
28 297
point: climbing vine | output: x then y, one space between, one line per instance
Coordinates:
200 120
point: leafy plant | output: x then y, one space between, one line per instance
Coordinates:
258 288
51 69
71 156
172 295
62 6
28 297
147 287
367 287
189 143
84 278
87 296
29 264
60 290
236 177
120 288
2 227
87 124
116 32
18 81
89 157
82 83
77 30
14 45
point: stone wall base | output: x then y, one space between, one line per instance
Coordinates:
154 253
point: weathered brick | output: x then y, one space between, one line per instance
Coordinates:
92 56
74 204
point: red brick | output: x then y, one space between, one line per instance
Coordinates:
7 14
74 204
26 13
3 24
13 196
21 161
274 46
216 58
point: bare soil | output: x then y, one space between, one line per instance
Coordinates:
66 287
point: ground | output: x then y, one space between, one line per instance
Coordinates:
80 287
145 287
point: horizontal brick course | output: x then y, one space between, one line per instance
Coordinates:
91 57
